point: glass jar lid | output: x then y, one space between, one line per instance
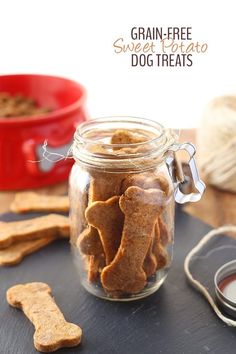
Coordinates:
225 287
150 145
93 145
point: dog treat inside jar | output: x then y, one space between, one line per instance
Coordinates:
122 190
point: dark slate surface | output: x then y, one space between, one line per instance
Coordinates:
174 320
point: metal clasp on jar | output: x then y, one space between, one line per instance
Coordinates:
178 177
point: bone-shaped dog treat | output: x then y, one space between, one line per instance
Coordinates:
108 220
141 209
149 180
16 252
150 262
122 136
156 256
31 201
40 227
89 242
95 265
164 234
158 249
146 180
102 187
51 329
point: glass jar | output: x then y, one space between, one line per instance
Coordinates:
122 190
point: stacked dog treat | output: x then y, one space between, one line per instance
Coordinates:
20 238
125 238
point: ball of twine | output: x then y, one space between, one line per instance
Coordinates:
217 143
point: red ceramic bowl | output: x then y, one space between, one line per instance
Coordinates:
22 164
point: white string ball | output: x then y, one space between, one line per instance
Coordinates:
217 143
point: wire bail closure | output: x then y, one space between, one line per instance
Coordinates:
178 177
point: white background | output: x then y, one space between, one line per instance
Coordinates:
73 38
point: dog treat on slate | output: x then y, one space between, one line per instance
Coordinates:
52 331
16 252
141 209
30 229
31 201
108 219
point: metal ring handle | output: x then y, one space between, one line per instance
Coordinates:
180 197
